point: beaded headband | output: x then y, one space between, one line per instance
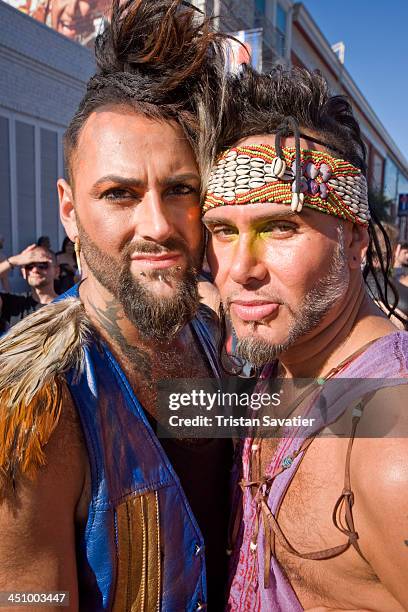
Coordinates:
260 173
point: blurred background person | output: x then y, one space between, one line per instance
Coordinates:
66 261
401 260
390 291
39 268
44 241
4 280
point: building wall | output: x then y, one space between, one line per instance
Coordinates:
387 168
42 79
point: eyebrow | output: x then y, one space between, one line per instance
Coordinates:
258 219
137 182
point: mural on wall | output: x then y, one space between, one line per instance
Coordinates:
78 20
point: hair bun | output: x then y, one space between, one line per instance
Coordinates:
167 43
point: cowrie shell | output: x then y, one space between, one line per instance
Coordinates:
255 183
243 170
278 167
254 173
297 202
243 159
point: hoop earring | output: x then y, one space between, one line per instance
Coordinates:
77 248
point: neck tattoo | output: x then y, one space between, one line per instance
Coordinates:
109 318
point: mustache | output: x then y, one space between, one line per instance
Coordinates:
250 296
155 248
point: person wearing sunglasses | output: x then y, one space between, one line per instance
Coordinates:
39 268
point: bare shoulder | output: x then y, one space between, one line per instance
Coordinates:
379 471
37 515
380 454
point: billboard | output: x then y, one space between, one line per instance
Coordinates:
249 52
78 20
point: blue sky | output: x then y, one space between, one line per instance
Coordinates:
375 33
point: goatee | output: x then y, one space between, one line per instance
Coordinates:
156 318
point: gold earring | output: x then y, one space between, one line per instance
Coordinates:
77 248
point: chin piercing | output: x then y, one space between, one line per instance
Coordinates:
160 278
142 274
178 268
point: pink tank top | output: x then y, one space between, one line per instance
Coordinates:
384 363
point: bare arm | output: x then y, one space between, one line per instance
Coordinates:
37 522
22 259
380 475
4 276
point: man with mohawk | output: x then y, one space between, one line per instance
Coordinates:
323 521
92 503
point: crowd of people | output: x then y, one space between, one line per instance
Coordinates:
172 161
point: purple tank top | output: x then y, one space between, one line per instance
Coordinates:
384 363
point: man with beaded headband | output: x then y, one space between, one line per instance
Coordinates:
92 502
290 227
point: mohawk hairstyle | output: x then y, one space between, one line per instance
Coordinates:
160 57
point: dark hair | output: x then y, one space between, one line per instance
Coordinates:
48 252
160 57
65 242
404 245
43 239
257 103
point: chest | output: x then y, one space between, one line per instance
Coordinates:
305 517
187 361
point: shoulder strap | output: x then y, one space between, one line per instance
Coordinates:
345 501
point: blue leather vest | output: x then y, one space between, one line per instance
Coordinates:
141 548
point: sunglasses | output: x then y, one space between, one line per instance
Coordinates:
40 265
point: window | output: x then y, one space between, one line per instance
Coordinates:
376 171
390 179
260 6
49 176
281 19
5 208
25 170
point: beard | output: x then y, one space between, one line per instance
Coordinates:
316 304
156 318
